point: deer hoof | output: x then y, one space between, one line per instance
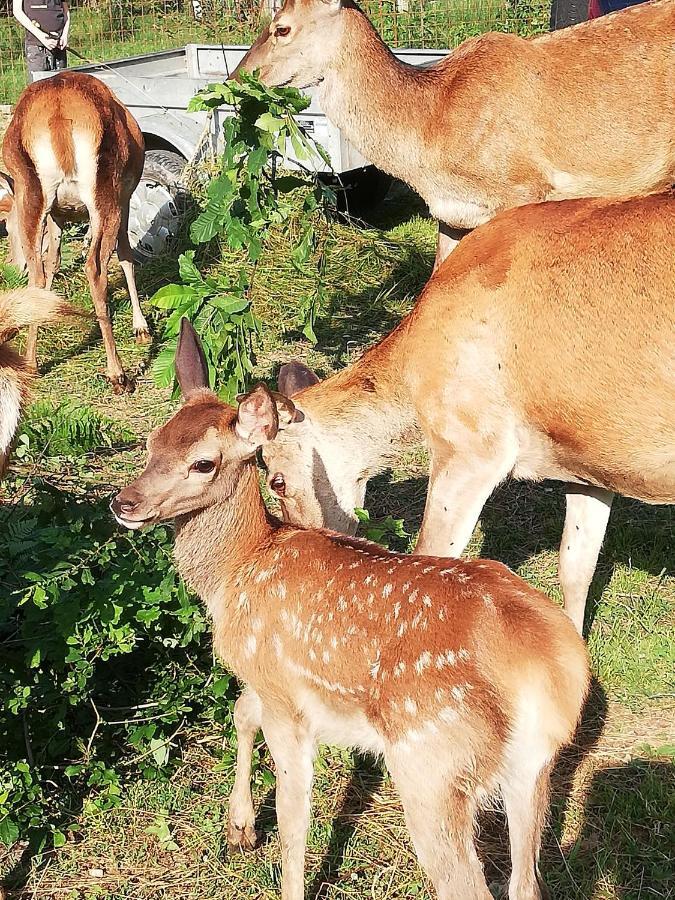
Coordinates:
121 384
142 336
242 840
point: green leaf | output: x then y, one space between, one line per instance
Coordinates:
9 831
172 295
269 122
59 839
230 304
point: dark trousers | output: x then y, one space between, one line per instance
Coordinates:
39 59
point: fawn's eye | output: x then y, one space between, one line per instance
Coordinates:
278 485
282 30
203 466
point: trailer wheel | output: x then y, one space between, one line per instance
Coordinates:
158 205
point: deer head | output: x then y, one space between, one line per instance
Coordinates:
8 215
196 459
298 45
312 469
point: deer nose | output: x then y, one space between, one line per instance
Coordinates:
122 507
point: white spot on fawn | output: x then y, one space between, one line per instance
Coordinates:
402 628
423 662
399 669
426 600
413 596
410 706
448 715
387 589
242 601
281 590
250 645
257 624
397 610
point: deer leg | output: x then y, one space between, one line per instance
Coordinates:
126 258
586 519
526 801
448 238
32 207
440 818
459 485
292 750
104 235
247 718
52 249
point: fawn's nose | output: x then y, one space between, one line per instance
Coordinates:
121 506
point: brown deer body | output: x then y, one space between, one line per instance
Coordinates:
466 680
31 307
500 122
544 347
72 151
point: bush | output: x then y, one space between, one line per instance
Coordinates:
105 655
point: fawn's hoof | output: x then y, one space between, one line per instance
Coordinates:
142 336
242 840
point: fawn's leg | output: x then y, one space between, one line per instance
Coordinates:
441 817
247 719
126 258
586 519
459 485
292 750
526 801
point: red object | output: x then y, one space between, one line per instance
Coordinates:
594 9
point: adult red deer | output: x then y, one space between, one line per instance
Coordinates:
463 677
73 150
500 122
32 307
544 347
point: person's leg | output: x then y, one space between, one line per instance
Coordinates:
59 60
36 59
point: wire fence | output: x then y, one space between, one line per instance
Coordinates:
111 29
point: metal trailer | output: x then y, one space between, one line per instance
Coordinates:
156 88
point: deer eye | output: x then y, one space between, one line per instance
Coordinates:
203 466
278 485
282 30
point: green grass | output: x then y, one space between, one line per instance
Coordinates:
611 830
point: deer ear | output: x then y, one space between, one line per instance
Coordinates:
6 196
257 418
192 371
295 377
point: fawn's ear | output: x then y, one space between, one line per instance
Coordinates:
295 377
192 371
260 412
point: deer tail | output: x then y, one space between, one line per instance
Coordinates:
31 306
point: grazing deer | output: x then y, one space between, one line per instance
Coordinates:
72 150
26 306
463 677
544 347
501 121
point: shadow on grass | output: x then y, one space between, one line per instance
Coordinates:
521 520
365 781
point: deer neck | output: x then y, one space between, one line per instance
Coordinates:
374 98
362 412
213 544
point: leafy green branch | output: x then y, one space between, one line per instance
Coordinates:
248 197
